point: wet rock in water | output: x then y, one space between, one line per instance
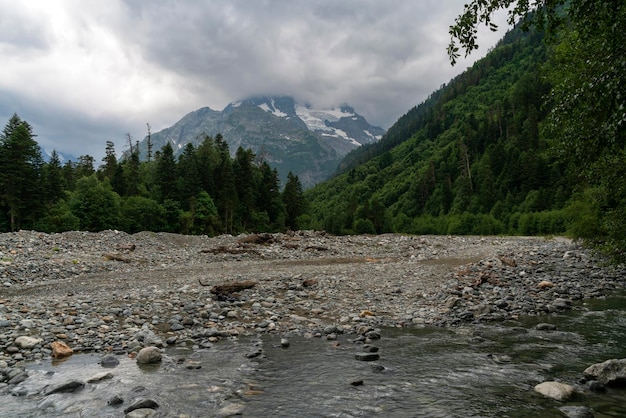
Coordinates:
562 303
597 387
556 390
18 378
378 368
60 349
231 409
66 387
254 354
149 355
373 335
284 342
27 342
576 411
357 382
141 404
610 372
100 377
368 348
141 413
367 356
109 361
545 327
115 401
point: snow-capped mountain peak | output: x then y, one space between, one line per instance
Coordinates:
334 124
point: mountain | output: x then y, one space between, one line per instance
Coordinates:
290 136
468 160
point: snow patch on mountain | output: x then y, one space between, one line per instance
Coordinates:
316 119
273 110
374 137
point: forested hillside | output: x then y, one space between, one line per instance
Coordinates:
469 160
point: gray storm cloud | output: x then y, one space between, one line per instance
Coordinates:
83 72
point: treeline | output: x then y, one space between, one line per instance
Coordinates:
469 160
202 191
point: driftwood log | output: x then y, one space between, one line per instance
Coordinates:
230 288
116 257
226 250
316 248
256 239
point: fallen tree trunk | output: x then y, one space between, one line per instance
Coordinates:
229 288
116 257
227 250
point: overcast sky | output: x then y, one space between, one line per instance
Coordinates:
86 71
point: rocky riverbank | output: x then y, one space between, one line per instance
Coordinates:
114 292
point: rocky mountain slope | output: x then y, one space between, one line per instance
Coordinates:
290 136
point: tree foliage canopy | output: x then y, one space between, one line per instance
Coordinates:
587 121
202 191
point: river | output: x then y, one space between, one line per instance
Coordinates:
476 371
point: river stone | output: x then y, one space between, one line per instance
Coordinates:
60 349
176 326
610 372
109 361
545 327
367 356
115 400
18 378
141 413
27 342
555 390
100 377
66 387
149 355
231 409
142 404
576 411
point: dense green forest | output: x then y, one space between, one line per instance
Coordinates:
203 191
530 140
469 160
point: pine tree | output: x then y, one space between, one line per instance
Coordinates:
110 162
166 173
53 181
188 182
244 173
293 198
20 173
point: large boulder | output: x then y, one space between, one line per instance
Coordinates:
149 355
556 390
610 372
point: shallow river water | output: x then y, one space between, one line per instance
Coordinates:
479 371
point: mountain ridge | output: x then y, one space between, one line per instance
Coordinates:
290 136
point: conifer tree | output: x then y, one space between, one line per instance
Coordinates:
293 198
53 181
166 173
20 172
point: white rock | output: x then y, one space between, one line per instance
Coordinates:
27 342
555 390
